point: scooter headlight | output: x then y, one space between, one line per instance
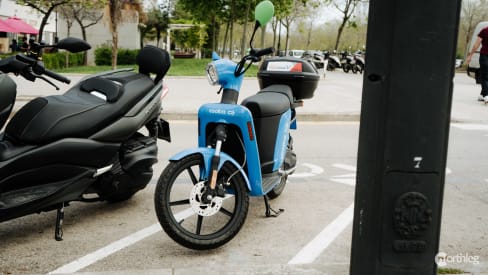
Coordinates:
212 75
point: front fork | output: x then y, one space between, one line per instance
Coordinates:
212 190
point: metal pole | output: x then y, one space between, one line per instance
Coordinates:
406 105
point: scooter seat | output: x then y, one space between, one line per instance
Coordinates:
281 89
78 113
271 101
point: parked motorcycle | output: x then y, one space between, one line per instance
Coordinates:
84 145
202 196
359 61
333 61
348 63
317 59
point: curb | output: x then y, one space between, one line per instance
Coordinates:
312 117
22 100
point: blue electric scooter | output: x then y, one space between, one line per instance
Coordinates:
202 196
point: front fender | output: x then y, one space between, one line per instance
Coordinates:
207 154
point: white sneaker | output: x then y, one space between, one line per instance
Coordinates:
481 98
486 99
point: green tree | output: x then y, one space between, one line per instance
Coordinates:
157 20
115 15
114 10
347 9
86 13
45 7
207 12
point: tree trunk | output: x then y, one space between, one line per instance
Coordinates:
115 46
66 52
243 41
85 55
339 34
225 39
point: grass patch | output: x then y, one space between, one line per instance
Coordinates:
179 67
442 270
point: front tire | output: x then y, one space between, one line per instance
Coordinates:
177 202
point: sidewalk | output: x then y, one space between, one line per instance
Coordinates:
337 98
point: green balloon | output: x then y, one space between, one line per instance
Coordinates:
264 12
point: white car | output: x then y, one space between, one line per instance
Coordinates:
296 53
474 65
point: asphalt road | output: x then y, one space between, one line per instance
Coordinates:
125 238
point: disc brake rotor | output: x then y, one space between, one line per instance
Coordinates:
204 209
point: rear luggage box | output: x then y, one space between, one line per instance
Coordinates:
297 73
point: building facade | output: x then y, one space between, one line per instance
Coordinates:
99 35
8 8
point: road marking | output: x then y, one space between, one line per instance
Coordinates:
345 167
314 248
348 179
448 171
314 170
108 250
471 127
351 182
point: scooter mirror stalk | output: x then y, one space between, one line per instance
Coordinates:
262 14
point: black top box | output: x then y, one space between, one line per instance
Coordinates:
297 73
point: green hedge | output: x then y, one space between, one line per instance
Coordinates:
103 56
55 61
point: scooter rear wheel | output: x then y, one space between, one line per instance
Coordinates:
183 215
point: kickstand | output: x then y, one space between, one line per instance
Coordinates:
270 212
58 233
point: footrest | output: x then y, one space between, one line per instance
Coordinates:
18 197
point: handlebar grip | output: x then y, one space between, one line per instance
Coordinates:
57 76
264 51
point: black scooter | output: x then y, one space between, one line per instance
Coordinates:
84 145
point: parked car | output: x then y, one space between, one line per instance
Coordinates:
296 53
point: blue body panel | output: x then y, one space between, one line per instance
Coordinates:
282 137
207 154
240 116
225 71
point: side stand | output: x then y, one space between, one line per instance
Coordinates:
270 212
58 233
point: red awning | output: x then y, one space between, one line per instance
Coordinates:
4 27
20 26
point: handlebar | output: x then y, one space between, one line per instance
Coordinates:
264 51
56 76
30 69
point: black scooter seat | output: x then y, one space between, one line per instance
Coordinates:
83 110
270 101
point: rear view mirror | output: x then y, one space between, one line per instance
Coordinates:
264 12
73 45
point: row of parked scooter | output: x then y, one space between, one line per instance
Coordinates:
349 62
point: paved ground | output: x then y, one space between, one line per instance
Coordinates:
338 98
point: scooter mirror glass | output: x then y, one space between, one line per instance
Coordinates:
73 45
264 12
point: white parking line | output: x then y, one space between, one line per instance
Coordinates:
471 127
345 167
108 250
314 248
103 252
314 170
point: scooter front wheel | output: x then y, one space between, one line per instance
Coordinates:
186 218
